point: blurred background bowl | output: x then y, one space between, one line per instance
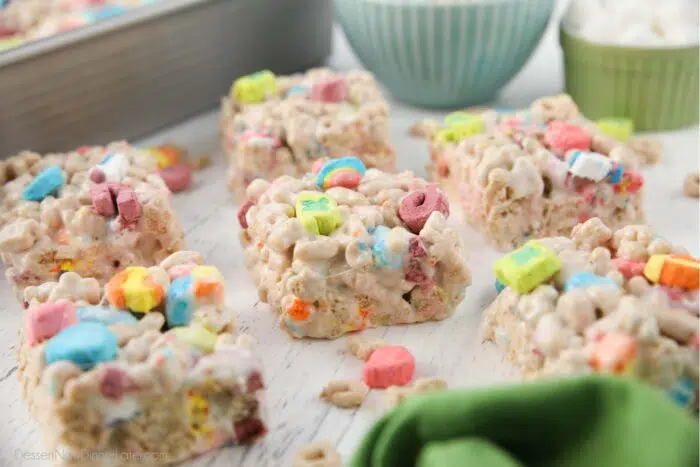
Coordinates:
655 87
448 54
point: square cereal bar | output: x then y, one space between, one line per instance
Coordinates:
619 302
92 211
375 251
153 376
280 125
539 172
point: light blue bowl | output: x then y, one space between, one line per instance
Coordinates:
442 55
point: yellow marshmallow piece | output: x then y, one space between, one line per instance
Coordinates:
197 336
619 128
207 272
527 267
138 295
460 131
254 88
673 270
467 123
317 212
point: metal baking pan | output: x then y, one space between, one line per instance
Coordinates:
129 76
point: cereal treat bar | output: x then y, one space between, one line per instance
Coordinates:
622 302
22 21
93 211
148 371
343 249
279 125
539 172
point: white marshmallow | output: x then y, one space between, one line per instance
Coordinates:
643 23
116 167
590 165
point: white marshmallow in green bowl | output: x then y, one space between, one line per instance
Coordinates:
634 59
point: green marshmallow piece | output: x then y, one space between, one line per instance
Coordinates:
619 128
317 212
527 267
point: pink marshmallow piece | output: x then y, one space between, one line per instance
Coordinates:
563 136
417 206
242 211
318 165
181 270
628 268
97 175
416 248
414 271
114 382
177 177
391 365
128 205
48 319
102 200
116 187
349 180
331 89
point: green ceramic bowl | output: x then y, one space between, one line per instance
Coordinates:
655 87
448 54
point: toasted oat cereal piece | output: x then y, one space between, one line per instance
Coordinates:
92 211
101 374
364 252
622 302
280 125
345 393
362 347
318 454
198 162
648 149
396 395
426 128
691 185
538 172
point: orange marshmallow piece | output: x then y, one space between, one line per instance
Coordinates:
614 353
673 270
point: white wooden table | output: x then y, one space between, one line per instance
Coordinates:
296 370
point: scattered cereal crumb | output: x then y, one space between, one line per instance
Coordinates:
429 384
691 185
198 162
362 347
318 454
647 149
425 128
396 395
246 341
345 393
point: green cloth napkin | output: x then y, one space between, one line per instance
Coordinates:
592 421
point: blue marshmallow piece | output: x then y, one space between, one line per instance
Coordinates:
585 279
107 158
46 182
348 162
298 90
105 315
105 12
500 286
86 344
616 173
179 304
381 252
683 391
